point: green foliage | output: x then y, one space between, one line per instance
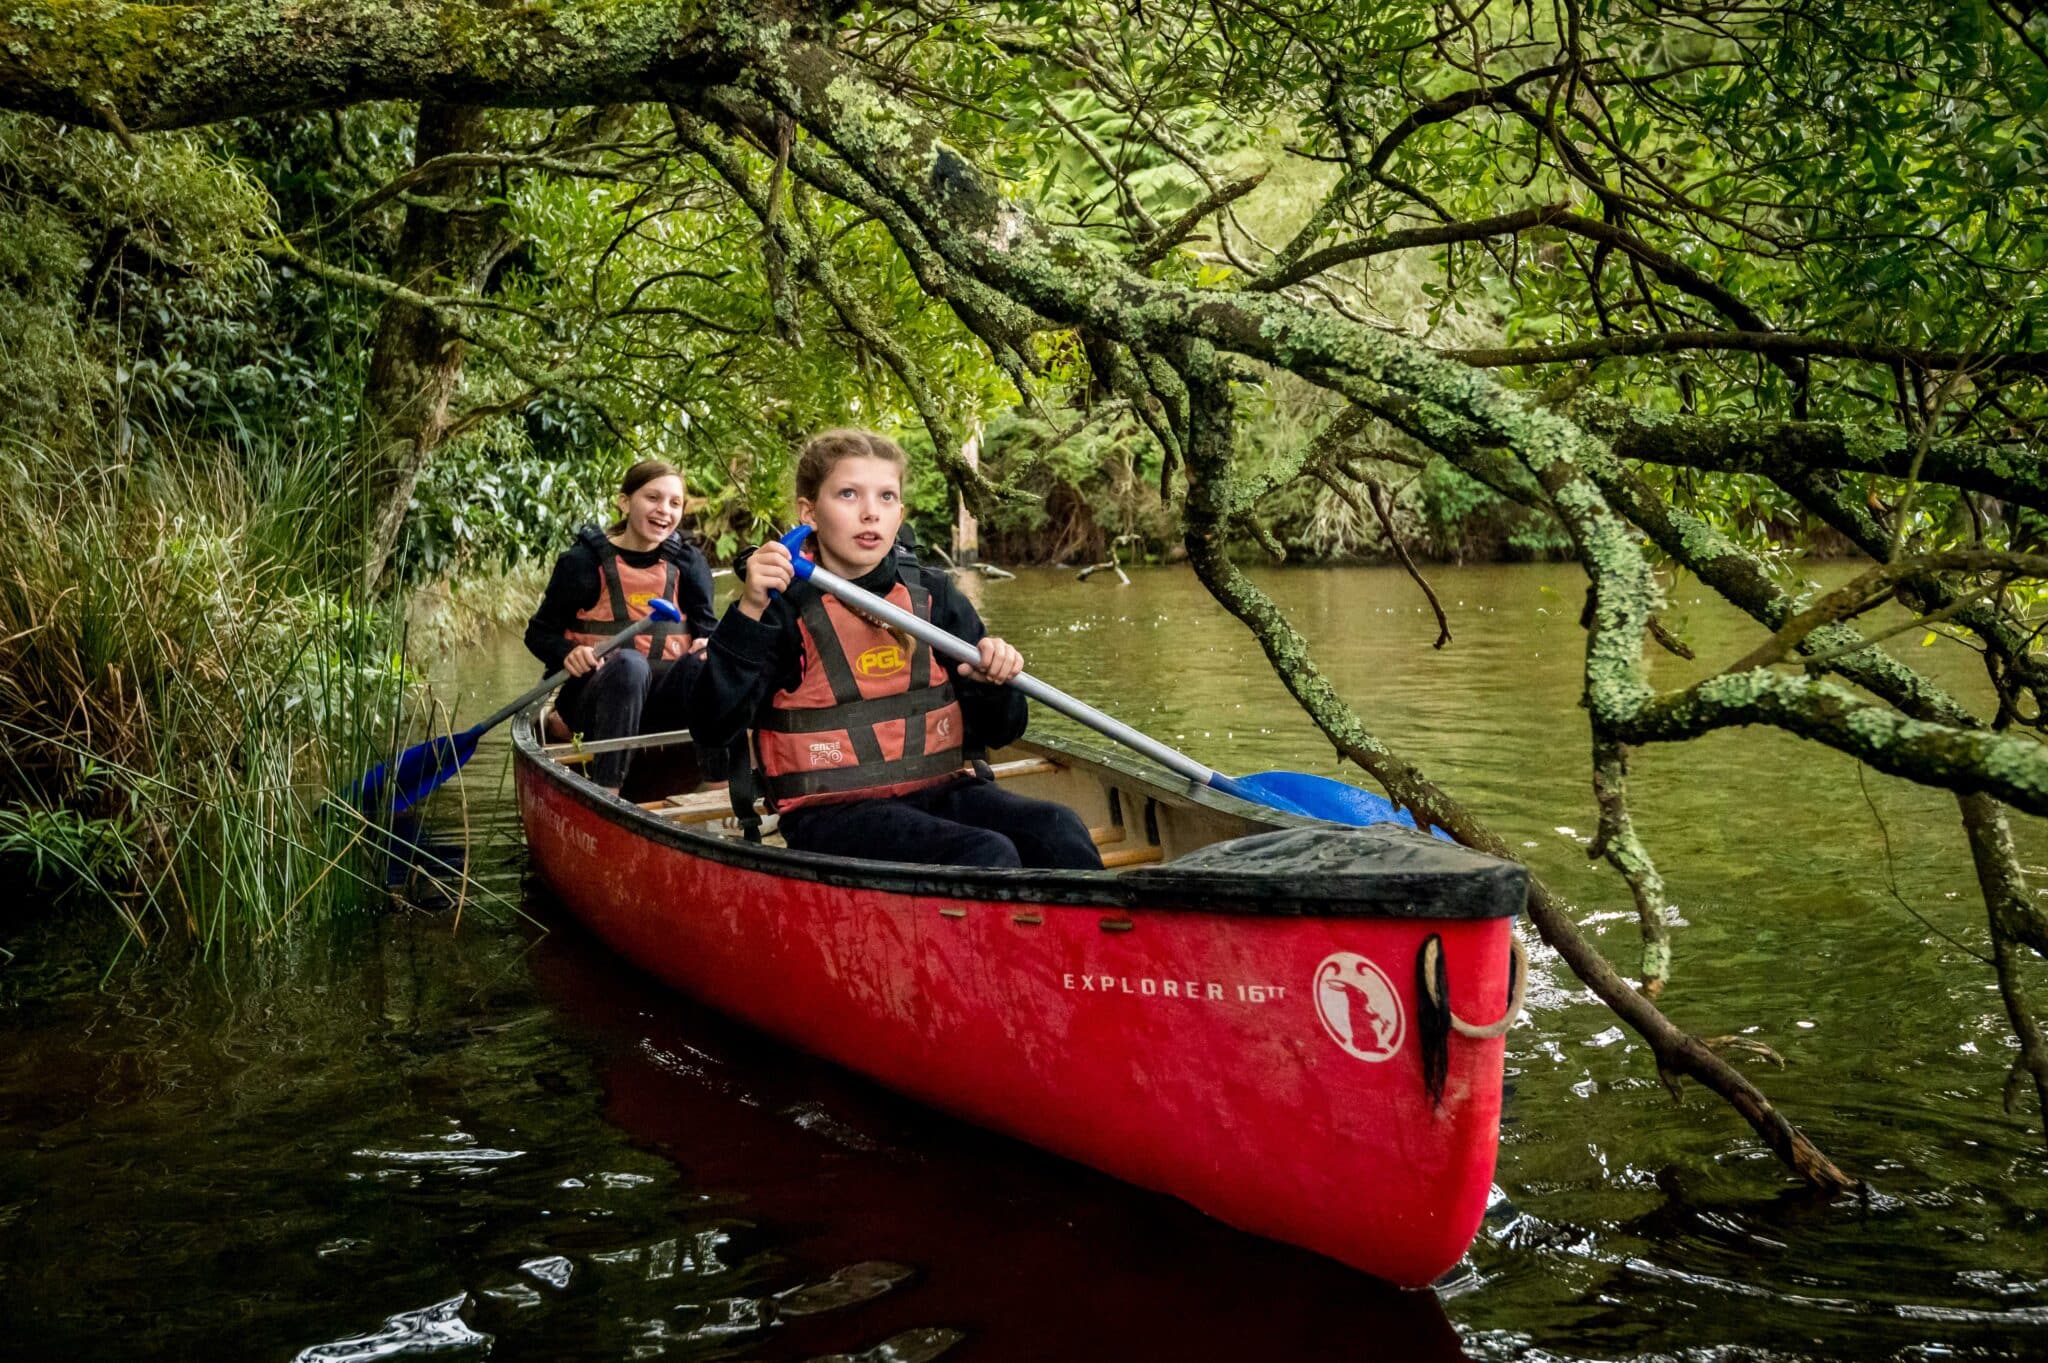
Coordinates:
653 289
70 851
1083 489
126 281
493 502
182 680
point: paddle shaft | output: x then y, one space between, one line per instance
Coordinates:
961 651
555 679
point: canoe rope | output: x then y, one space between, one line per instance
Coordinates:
1434 1020
1518 988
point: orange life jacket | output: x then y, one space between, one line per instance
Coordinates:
865 719
623 595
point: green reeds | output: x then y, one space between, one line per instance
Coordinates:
186 672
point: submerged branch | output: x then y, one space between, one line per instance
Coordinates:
2008 903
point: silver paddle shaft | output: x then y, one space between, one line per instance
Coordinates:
960 650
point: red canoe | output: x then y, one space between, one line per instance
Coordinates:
1231 1014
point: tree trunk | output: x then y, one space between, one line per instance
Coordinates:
416 357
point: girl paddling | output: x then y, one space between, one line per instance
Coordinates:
603 584
863 736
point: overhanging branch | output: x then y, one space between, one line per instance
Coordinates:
140 67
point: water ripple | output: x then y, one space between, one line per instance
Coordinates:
911 1346
432 1329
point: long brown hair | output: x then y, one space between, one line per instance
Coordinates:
827 448
639 476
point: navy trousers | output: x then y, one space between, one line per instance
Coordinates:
971 823
625 696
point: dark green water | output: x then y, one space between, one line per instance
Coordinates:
493 1140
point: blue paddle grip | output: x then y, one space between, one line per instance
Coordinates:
794 542
661 608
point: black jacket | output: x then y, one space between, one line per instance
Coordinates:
577 582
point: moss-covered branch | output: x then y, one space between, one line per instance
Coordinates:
1776 449
177 65
2008 645
1678 1053
807 258
1773 345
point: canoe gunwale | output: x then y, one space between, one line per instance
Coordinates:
1276 896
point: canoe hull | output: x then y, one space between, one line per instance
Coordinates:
1248 1064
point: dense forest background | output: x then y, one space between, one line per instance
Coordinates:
304 307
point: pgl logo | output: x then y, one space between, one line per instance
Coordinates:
1359 1007
829 754
884 660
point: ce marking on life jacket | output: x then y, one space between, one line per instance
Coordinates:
828 754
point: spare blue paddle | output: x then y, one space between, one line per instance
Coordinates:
1291 792
421 769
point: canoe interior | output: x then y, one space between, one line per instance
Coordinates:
1165 842
1133 813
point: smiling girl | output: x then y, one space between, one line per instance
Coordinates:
863 735
601 585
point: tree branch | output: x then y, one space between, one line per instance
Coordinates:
1776 449
1770 344
177 65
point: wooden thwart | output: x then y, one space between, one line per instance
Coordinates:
1026 766
702 806
576 754
715 807
699 806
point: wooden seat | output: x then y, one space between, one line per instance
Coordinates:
712 809
699 806
1024 766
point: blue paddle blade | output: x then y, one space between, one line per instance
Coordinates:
1321 797
418 771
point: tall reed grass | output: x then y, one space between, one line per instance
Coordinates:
185 674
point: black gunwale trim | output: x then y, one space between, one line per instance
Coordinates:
1088 889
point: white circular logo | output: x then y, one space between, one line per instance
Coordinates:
1359 1007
